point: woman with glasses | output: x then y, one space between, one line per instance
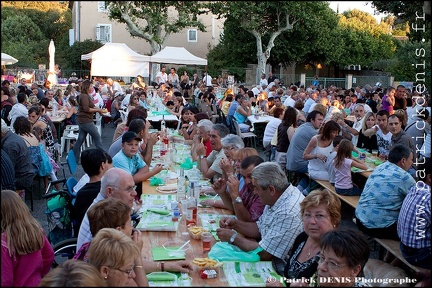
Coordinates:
344 253
118 258
320 212
113 213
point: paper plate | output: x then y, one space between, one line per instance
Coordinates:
167 189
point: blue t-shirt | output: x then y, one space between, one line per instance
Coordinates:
233 107
130 164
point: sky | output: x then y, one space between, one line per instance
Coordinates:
365 6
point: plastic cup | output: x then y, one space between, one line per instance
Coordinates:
206 238
375 153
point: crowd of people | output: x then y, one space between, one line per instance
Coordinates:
290 220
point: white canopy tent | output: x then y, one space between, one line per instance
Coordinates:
7 59
177 55
117 59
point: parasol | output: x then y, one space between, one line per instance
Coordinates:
7 59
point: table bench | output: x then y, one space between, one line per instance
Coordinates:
350 200
393 246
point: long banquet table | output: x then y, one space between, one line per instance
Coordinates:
158 238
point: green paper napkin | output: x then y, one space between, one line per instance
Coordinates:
160 253
354 154
159 211
160 113
155 181
161 276
187 164
378 162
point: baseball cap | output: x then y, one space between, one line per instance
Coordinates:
117 94
129 136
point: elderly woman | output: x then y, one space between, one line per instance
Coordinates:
344 253
72 273
117 258
113 213
320 212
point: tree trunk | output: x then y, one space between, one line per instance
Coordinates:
262 59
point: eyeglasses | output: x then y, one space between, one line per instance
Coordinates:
318 218
129 189
135 98
128 272
331 264
229 148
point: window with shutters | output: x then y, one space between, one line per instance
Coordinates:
103 33
192 35
102 6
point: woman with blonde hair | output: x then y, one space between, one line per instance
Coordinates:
73 273
26 254
320 212
133 102
117 258
368 142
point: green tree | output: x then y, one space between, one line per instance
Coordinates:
411 11
26 49
40 21
266 19
75 51
153 21
413 63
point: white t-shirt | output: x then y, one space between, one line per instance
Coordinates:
161 78
270 130
208 80
383 141
289 102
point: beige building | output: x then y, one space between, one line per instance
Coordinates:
90 21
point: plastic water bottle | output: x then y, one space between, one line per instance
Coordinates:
54 109
181 188
175 211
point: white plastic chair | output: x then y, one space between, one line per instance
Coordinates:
245 135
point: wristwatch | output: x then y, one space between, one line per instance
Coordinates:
202 156
233 236
237 200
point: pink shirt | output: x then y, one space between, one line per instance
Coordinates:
25 270
252 202
343 175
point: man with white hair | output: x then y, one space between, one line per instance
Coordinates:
116 183
202 136
279 224
113 87
209 166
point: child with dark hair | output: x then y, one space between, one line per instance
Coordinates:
95 163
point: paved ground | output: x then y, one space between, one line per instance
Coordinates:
107 135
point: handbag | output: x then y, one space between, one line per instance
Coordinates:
46 166
223 251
